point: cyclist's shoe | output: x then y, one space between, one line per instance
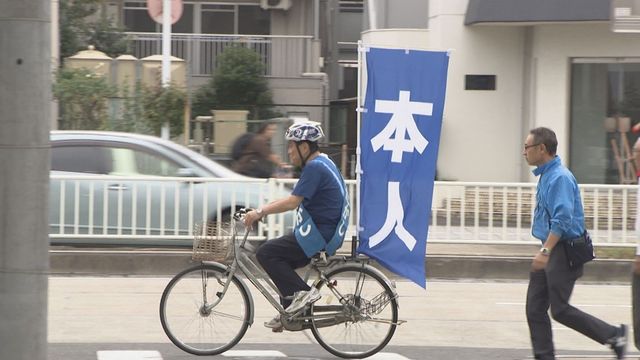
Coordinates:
618 343
302 299
275 324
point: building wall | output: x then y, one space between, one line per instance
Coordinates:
298 94
553 48
294 21
304 95
392 14
483 131
481 135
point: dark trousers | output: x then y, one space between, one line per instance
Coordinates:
279 258
551 288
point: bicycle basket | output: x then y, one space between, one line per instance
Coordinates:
212 241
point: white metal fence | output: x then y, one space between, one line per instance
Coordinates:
157 211
285 56
502 212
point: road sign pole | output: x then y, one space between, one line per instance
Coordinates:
166 55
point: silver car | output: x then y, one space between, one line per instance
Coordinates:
124 188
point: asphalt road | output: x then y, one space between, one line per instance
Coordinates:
109 318
269 352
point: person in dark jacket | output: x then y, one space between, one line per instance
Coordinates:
257 159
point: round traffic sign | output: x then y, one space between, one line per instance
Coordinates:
154 8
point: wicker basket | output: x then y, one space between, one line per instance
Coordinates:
212 242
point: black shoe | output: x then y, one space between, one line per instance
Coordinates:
619 342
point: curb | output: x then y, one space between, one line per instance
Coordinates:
168 263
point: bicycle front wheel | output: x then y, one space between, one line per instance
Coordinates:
188 318
357 314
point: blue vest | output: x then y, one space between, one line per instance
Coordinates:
306 232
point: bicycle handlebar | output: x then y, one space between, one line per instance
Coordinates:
240 213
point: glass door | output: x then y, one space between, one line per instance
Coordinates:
605 105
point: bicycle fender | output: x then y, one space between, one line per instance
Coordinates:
244 286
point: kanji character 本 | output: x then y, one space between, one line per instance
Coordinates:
401 122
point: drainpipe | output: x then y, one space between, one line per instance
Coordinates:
373 15
316 20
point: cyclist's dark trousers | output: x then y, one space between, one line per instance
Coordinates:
551 288
279 258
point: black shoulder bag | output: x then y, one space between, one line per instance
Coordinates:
579 250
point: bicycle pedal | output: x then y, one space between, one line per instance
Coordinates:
278 330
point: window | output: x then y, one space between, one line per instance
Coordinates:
130 162
218 19
184 25
81 159
148 164
137 19
253 20
214 18
605 104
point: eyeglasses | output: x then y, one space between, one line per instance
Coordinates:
526 147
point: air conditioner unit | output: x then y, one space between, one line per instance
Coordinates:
275 4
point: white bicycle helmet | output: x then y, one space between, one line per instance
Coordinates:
304 131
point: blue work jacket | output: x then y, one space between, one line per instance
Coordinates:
558 203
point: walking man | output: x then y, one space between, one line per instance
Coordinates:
558 217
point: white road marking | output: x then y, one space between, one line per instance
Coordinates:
129 355
576 305
387 356
580 357
253 353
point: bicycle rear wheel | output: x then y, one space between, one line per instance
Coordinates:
190 324
359 317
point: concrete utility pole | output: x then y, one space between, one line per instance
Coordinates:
25 95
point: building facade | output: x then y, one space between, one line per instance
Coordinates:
515 65
284 33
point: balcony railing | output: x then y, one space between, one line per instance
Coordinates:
283 56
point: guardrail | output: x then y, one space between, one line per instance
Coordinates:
282 55
157 211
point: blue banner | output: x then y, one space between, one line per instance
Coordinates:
399 137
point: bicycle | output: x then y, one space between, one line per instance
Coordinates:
207 309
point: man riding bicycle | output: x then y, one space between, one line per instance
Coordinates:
321 199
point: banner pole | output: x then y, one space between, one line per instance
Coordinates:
358 168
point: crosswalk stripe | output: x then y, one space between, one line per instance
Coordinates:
253 353
128 355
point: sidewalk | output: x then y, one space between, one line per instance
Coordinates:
443 261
